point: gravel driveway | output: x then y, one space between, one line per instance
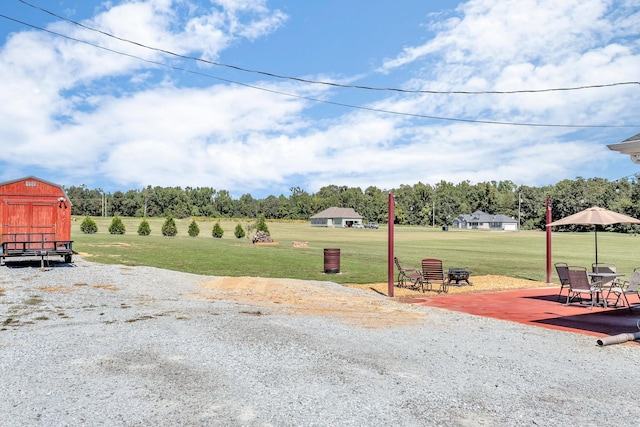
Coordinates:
92 344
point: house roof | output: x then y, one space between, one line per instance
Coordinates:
479 216
630 146
334 212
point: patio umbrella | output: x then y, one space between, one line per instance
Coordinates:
595 216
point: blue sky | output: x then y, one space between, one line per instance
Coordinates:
128 117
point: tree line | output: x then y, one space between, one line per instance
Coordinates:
418 204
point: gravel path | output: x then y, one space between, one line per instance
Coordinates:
92 344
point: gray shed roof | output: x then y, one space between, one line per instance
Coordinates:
337 213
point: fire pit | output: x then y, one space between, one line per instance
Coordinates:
458 275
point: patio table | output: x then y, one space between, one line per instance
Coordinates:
603 276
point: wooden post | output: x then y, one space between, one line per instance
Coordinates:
548 241
390 237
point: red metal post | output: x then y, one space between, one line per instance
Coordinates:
390 237
548 241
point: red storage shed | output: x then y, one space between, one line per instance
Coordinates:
36 219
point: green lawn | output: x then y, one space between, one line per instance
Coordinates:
363 252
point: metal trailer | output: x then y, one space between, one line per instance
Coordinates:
35 220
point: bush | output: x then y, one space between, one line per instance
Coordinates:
116 226
217 230
194 230
169 227
144 229
261 224
88 226
239 231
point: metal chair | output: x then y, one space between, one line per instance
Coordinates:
433 274
580 284
411 275
562 268
628 287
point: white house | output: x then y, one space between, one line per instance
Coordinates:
483 221
336 217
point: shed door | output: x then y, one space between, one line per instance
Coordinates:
15 225
28 222
43 223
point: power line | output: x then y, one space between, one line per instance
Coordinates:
298 79
340 104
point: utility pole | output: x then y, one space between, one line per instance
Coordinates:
433 213
519 203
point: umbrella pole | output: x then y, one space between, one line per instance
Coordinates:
596 243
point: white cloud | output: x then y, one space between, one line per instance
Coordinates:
134 124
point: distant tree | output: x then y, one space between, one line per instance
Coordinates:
217 230
247 206
88 226
300 204
144 229
223 203
169 227
239 231
261 224
194 230
271 206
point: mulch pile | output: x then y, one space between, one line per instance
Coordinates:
480 284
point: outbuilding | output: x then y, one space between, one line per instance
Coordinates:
36 219
337 217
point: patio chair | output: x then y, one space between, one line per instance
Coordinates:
562 268
408 277
580 284
432 275
628 287
605 267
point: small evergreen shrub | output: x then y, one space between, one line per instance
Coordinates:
239 231
169 227
144 229
89 226
116 226
261 224
194 230
217 230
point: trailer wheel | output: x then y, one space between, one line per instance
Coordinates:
67 259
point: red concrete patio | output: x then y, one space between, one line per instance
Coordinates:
539 307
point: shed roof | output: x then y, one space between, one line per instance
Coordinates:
335 212
35 178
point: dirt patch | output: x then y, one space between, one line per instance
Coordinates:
313 298
107 286
317 299
60 289
85 254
